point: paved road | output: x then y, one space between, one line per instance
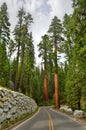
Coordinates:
46 119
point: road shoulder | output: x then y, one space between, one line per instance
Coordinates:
82 121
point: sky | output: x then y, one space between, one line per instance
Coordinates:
42 12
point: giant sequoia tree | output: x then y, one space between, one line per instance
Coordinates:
44 48
55 31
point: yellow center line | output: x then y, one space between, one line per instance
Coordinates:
51 125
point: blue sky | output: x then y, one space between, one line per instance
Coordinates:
42 12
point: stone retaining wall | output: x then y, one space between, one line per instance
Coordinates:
13 105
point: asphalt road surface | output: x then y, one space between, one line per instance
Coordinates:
47 119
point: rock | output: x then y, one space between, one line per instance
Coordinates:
9 115
79 113
3 118
69 110
13 110
1 111
64 108
1 104
6 106
1 94
13 105
15 94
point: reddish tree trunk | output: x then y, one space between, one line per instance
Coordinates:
45 87
57 103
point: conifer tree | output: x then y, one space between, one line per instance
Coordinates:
21 37
44 48
55 31
29 64
75 39
4 43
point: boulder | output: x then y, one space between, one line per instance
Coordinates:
66 109
13 105
1 111
79 113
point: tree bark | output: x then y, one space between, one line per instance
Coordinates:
45 87
57 103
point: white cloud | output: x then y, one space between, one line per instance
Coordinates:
32 5
42 12
60 7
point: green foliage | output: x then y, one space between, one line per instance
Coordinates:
37 83
75 50
4 25
4 41
61 76
55 32
24 48
45 50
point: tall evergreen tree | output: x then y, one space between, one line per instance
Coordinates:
4 42
17 33
76 69
21 37
29 65
24 39
43 48
4 25
55 31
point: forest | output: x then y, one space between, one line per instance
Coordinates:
18 70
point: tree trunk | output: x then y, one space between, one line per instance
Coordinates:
45 87
57 103
17 62
22 68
